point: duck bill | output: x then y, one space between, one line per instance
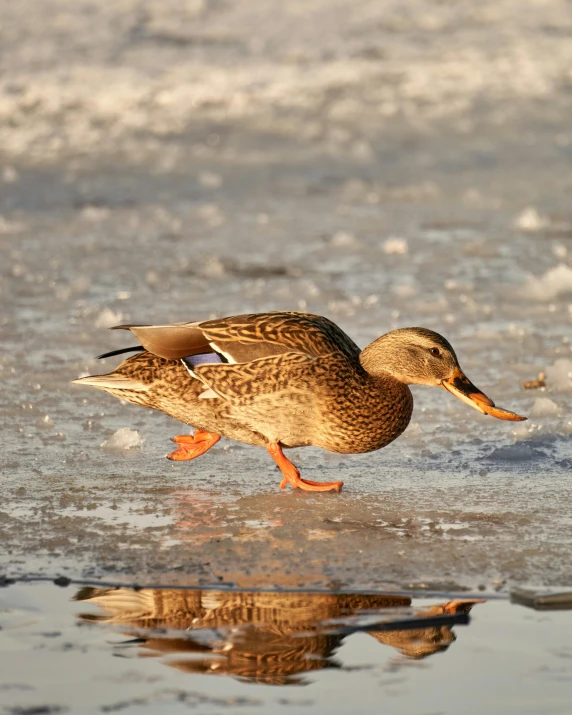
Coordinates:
460 386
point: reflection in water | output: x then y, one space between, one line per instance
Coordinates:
268 637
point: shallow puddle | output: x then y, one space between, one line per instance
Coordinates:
86 649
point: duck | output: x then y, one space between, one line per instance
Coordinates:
285 379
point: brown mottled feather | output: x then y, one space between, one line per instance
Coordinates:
291 379
247 337
170 341
301 332
302 383
367 414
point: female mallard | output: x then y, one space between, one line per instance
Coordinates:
285 379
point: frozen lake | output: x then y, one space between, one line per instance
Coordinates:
386 167
384 164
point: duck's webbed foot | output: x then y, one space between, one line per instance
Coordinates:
190 446
292 475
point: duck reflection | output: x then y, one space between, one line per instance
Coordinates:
268 637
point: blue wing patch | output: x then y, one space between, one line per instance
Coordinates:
194 360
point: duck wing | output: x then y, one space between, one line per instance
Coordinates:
244 383
243 338
176 340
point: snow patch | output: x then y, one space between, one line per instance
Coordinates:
343 239
210 179
107 318
404 290
521 431
414 430
544 407
560 251
556 281
45 422
123 439
395 245
559 375
531 220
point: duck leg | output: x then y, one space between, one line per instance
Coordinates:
190 446
292 475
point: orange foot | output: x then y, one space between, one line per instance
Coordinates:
292 475
191 446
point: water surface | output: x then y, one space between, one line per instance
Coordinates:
101 649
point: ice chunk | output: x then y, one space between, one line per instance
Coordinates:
395 245
544 407
152 277
518 452
556 281
107 319
210 179
123 439
95 213
404 290
213 267
10 175
531 220
414 430
520 431
45 422
559 375
211 214
342 239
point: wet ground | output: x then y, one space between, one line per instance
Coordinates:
383 164
92 650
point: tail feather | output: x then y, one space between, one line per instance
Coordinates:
112 382
112 353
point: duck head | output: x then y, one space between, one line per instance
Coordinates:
417 356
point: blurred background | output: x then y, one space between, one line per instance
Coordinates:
386 164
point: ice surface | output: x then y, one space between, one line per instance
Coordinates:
124 438
170 166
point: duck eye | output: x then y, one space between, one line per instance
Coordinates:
435 352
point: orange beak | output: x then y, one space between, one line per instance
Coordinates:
460 386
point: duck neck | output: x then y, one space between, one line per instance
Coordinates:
378 360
